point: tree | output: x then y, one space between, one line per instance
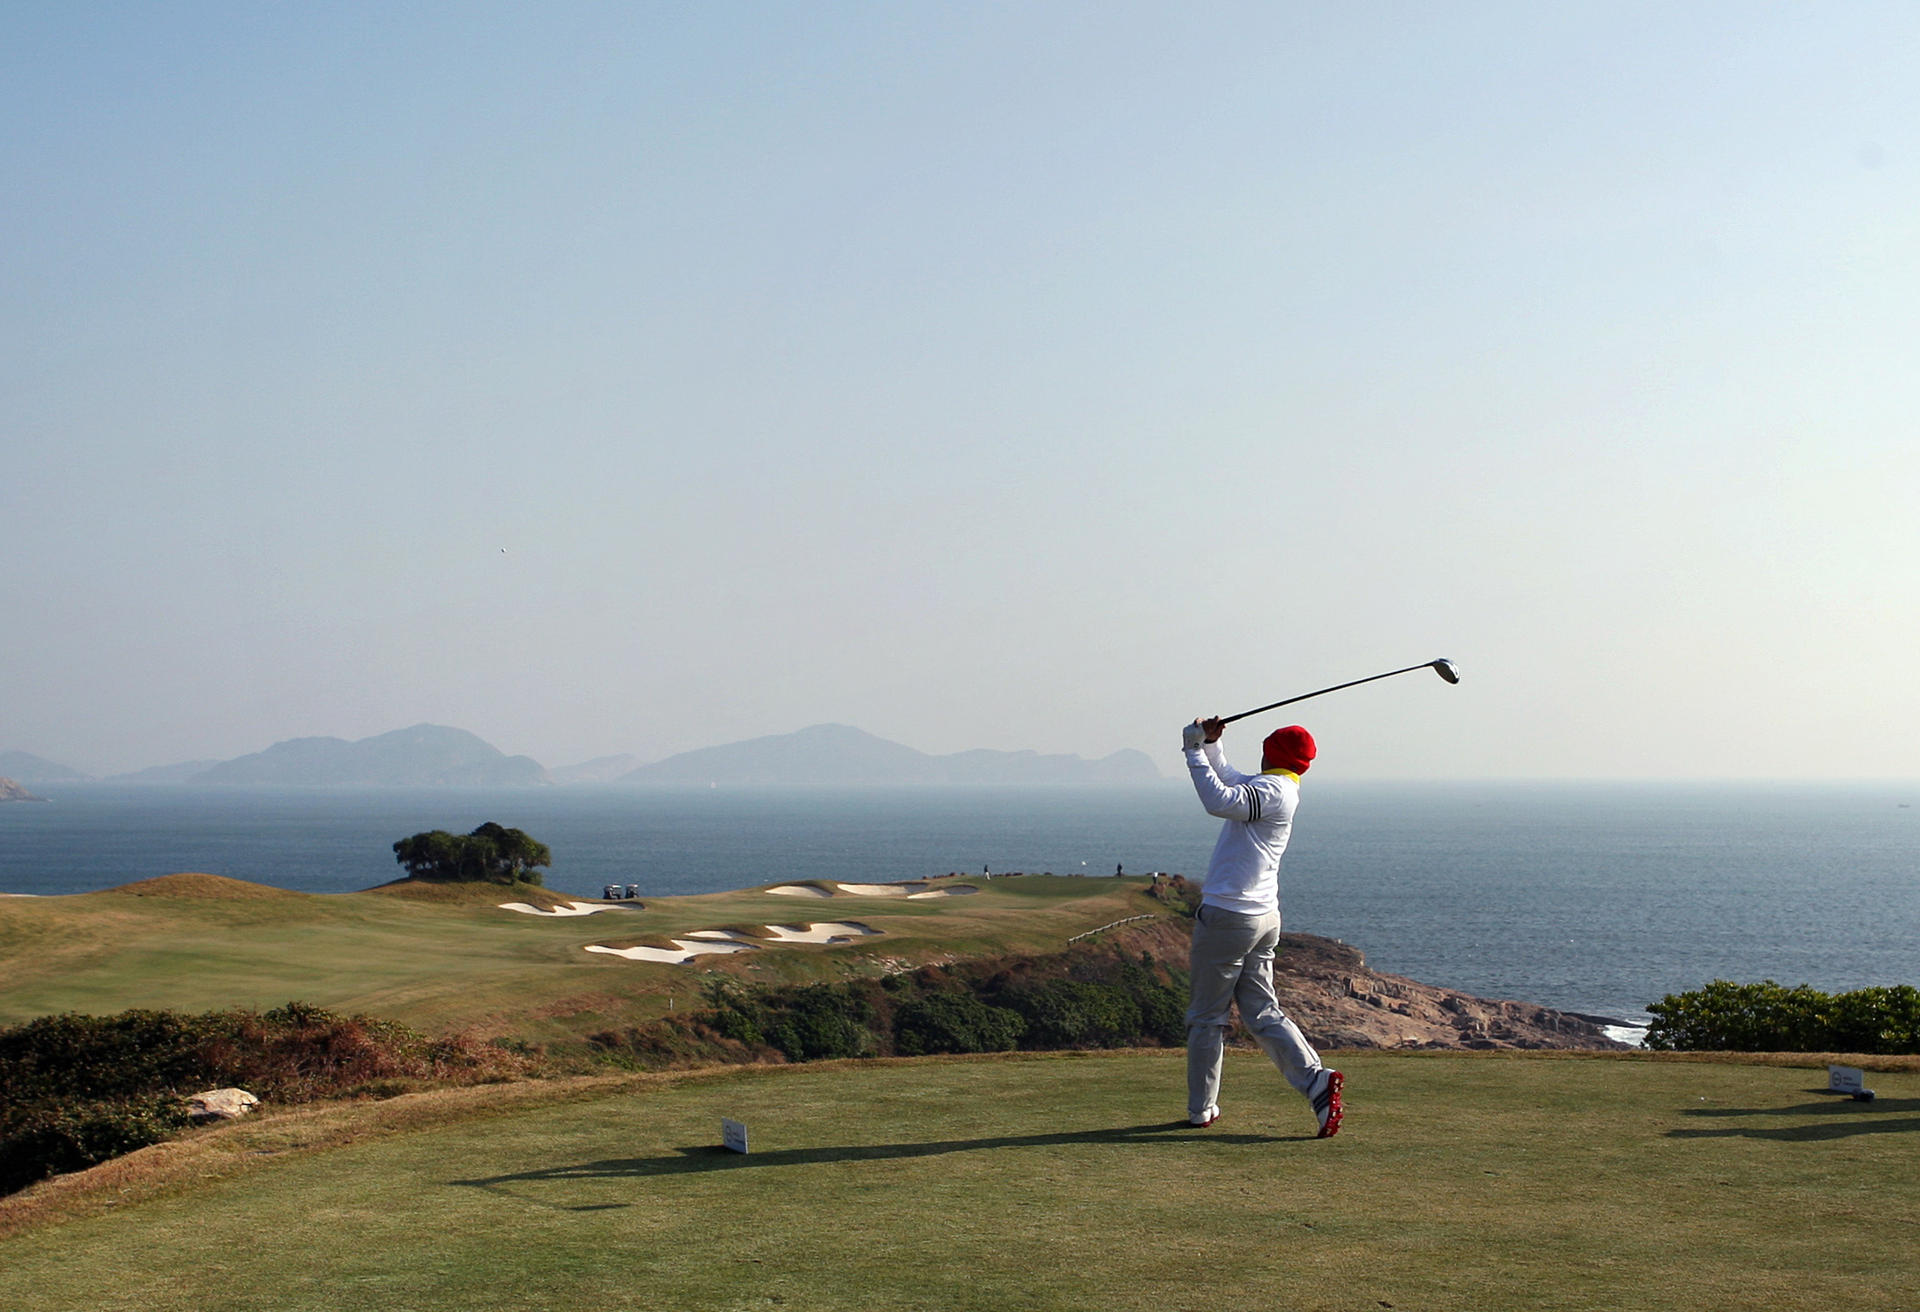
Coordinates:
490 854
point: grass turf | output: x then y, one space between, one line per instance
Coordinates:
1460 1181
443 958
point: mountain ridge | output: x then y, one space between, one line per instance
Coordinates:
431 755
840 754
423 755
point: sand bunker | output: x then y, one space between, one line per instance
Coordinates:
908 890
682 951
833 931
564 909
699 942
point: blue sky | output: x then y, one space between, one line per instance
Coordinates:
981 375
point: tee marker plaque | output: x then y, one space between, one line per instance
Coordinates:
733 1135
1845 1079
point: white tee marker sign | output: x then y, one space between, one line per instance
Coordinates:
733 1135
1845 1079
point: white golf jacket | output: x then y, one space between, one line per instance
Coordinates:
1244 872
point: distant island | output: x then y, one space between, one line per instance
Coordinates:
31 769
840 754
427 755
13 792
436 756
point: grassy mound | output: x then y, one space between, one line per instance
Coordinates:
444 957
1460 1181
470 893
211 888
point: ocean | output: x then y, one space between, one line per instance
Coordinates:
1595 898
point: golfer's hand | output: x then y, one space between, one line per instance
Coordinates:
1213 726
1192 735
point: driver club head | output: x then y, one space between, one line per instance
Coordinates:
1444 668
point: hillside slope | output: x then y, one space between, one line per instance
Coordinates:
446 957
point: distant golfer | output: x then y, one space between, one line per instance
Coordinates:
1237 925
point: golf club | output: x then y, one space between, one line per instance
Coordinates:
1443 668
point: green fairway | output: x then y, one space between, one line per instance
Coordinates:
1062 1181
446 957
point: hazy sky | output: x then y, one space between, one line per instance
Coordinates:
981 375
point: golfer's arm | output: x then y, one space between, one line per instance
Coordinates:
1229 801
1218 760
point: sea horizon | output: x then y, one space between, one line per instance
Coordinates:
1596 898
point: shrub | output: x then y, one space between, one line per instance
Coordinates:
820 1022
102 1057
954 1022
43 1139
1066 1013
1876 1020
1085 998
813 1022
76 1090
1767 1017
1163 1004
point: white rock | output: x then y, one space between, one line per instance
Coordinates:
221 1104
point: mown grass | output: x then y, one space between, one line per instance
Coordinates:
1482 1181
443 959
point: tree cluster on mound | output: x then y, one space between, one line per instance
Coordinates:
1091 998
490 854
1766 1017
77 1090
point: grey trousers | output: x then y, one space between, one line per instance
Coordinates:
1231 962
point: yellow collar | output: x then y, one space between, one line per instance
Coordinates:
1288 773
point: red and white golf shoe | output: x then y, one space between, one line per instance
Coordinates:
1326 1102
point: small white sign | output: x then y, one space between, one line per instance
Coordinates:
1845 1079
733 1134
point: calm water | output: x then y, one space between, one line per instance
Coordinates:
1594 898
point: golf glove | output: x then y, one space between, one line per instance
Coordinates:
1192 736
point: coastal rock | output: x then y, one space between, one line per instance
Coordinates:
220 1105
1338 1002
13 792
1331 994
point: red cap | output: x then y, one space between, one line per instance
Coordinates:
1290 748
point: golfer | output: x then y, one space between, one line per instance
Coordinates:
1237 925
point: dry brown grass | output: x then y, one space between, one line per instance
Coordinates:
214 888
471 894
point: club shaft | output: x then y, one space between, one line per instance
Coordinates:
1321 692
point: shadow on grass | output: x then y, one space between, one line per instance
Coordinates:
714 1158
1838 1120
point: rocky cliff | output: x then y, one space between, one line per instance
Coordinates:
1339 1002
13 792
1330 992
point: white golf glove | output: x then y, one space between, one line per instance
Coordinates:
1192 736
